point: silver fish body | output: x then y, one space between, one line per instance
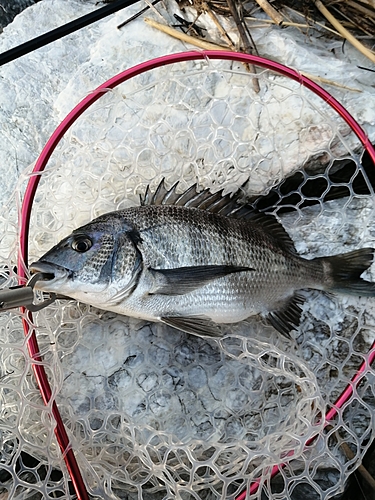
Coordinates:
194 261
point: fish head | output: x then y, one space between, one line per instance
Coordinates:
94 263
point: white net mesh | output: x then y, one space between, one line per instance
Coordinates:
155 413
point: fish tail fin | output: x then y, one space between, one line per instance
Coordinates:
344 271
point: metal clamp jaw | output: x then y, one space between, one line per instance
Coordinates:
18 296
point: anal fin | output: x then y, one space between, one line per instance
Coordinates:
196 325
288 318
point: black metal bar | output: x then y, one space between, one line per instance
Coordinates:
136 15
66 29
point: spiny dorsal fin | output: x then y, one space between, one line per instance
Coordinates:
204 200
160 197
218 203
273 227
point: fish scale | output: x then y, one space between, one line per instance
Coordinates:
194 261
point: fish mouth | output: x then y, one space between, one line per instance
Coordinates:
51 275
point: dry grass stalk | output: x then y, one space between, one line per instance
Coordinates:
361 8
369 2
312 21
351 23
350 455
214 18
202 44
344 32
266 22
241 26
151 6
276 17
320 79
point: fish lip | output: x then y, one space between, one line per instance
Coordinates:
50 273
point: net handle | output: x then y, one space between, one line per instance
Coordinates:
24 223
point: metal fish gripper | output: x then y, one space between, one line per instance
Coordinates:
24 296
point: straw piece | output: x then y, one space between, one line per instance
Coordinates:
361 469
350 455
369 2
271 11
245 37
329 82
344 32
223 32
240 26
151 6
202 44
313 21
361 8
266 22
198 43
352 22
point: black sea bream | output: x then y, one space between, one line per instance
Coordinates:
194 261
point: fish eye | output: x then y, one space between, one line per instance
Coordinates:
81 244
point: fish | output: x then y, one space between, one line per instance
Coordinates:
195 261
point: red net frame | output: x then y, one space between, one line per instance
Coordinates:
32 186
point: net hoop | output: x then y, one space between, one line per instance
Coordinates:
24 225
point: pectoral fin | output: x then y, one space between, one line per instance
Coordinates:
183 280
287 318
197 326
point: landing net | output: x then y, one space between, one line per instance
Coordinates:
153 413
